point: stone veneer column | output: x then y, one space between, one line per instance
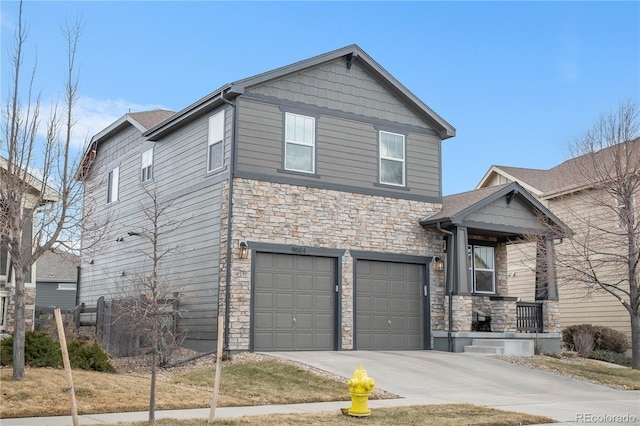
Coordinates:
346 328
551 316
504 315
462 307
29 309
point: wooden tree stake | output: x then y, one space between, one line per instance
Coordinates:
216 383
67 366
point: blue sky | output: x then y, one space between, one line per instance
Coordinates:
520 81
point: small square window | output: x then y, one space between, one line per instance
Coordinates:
300 143
392 155
113 182
147 165
215 150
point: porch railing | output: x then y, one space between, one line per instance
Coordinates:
529 317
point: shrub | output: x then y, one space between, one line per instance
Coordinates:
583 341
604 338
40 350
613 357
87 356
608 339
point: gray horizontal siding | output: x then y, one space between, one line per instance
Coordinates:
47 295
346 151
180 174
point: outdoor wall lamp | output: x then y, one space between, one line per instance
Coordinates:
133 233
438 264
244 250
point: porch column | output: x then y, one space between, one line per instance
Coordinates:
461 274
546 279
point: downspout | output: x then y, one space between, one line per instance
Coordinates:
78 275
450 285
232 161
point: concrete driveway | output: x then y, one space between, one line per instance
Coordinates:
432 377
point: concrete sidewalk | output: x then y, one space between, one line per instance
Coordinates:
429 377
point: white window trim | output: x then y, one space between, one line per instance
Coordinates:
473 269
402 161
216 122
288 141
146 169
113 184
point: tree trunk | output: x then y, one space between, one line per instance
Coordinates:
19 326
635 339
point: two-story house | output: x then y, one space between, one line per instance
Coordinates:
311 214
563 190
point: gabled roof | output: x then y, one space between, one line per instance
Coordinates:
140 120
58 265
48 195
457 208
561 179
350 53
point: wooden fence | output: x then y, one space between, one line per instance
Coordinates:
117 329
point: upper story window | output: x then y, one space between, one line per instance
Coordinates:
482 268
215 154
112 185
300 143
147 165
392 154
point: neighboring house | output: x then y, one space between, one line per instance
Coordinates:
313 216
7 280
56 280
561 189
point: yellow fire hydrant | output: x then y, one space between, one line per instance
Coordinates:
360 387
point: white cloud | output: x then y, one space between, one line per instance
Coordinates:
93 115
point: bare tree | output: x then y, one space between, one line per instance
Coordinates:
150 297
600 207
41 199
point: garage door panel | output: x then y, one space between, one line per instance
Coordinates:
304 301
323 322
283 341
304 321
303 290
284 300
264 300
389 313
305 282
284 281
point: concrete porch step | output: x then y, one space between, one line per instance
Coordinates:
501 347
484 350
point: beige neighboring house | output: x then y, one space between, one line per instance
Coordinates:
561 190
34 199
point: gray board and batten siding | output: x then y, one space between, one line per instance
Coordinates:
181 178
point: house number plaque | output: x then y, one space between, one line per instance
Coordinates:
298 250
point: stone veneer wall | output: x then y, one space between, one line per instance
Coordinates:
302 216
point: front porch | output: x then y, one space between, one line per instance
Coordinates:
478 314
